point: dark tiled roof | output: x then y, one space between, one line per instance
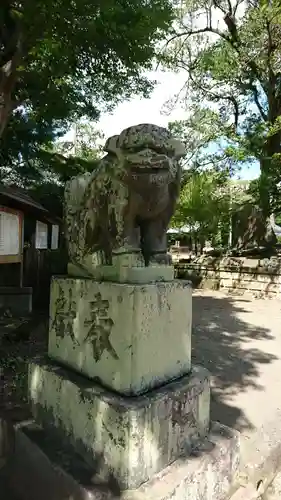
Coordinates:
20 196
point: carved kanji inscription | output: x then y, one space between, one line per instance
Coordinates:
99 326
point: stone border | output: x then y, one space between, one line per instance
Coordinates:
37 472
260 281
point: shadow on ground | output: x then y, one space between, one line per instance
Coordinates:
18 344
219 343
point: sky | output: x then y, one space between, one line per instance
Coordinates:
152 110
138 110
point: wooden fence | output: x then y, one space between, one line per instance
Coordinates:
38 268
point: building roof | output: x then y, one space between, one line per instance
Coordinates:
23 200
21 196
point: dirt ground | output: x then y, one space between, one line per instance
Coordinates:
237 338
19 341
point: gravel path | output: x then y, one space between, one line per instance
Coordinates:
238 339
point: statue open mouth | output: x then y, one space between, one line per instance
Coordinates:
154 165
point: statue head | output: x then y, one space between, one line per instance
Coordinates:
146 153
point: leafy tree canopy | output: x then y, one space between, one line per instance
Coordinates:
77 56
46 174
208 203
211 142
231 52
63 60
204 205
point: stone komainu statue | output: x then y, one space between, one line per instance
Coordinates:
251 230
126 203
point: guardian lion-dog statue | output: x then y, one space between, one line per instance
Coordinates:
125 205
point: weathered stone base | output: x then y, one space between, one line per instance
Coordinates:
130 439
132 338
42 469
126 274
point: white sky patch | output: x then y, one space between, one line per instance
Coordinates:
139 110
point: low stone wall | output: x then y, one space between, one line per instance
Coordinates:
262 277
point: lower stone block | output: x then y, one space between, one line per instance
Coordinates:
43 469
137 436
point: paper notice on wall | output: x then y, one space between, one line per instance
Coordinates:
55 237
9 234
41 239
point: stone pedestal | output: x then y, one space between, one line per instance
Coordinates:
130 438
119 410
130 337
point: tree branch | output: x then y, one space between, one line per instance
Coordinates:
235 42
229 98
233 37
189 33
257 102
236 6
218 6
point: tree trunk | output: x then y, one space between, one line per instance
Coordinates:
9 60
268 177
264 187
7 85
